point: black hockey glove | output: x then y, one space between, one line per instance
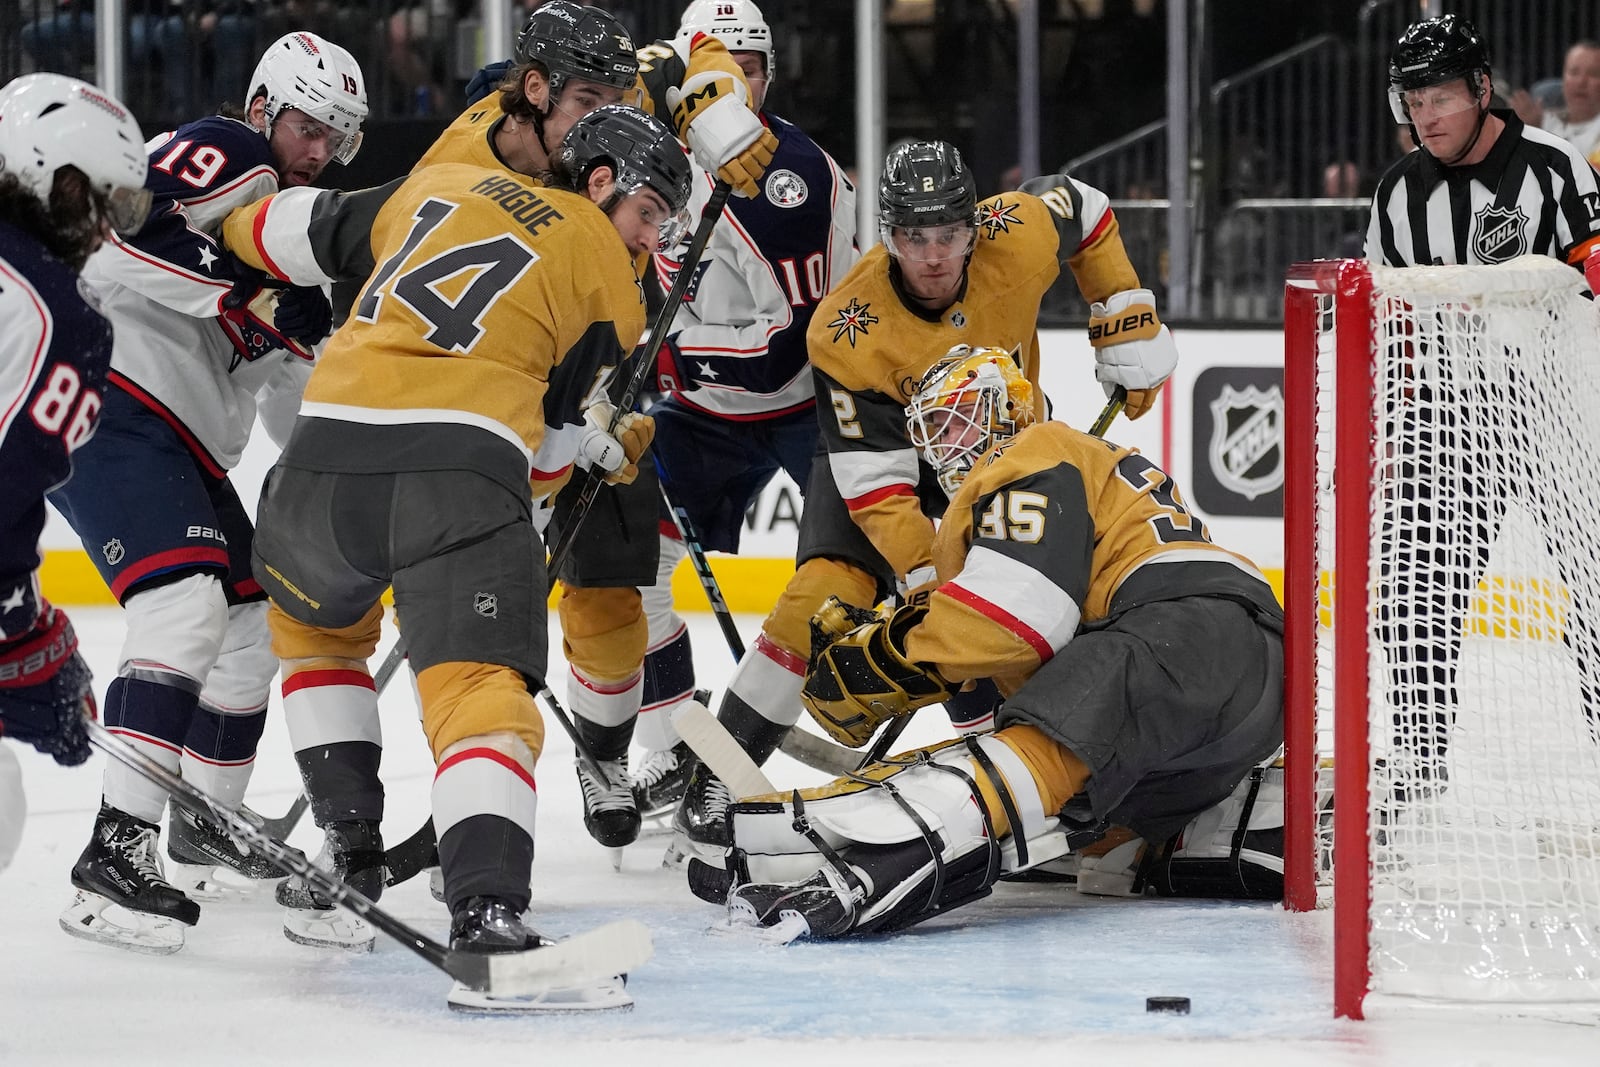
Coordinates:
303 313
44 689
487 80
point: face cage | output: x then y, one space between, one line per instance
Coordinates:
901 246
938 426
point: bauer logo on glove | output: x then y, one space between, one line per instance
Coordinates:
862 679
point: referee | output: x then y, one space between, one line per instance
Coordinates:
1482 189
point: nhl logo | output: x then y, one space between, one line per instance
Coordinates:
786 188
486 604
1247 440
113 551
958 320
1499 233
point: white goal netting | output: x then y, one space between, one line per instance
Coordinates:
1477 511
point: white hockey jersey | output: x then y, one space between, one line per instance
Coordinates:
163 291
741 331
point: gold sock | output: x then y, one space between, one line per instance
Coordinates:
1058 774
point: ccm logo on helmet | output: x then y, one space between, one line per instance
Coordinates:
1133 320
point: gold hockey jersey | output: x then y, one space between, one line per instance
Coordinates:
869 347
495 305
1053 530
663 65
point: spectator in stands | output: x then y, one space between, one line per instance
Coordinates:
1341 180
420 46
157 40
1579 122
237 30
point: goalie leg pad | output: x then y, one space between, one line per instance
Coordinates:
1232 850
907 839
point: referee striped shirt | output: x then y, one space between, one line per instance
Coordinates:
1533 194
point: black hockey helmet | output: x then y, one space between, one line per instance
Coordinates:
574 41
925 183
1438 50
637 147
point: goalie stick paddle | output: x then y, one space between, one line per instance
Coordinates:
718 750
612 949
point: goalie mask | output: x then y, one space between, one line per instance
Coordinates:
50 121
317 78
968 402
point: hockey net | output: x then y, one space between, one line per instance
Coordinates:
1443 728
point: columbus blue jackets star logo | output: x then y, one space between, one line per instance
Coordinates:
853 319
996 218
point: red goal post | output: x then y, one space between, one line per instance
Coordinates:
1442 444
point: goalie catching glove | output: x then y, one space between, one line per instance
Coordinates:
1132 348
614 450
727 138
859 676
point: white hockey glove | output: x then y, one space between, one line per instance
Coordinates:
617 457
1132 348
709 112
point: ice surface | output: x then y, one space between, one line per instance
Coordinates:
1033 974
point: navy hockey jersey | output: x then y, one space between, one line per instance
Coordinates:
770 260
163 291
54 352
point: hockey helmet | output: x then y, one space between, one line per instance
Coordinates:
303 71
574 41
738 24
49 121
969 401
1435 51
641 153
925 184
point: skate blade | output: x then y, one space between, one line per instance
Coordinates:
211 884
605 995
742 925
93 917
331 928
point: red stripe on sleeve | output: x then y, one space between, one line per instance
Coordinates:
1000 615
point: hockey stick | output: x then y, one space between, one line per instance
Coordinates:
647 357
797 744
597 954
283 826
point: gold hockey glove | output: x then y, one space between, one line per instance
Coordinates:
862 679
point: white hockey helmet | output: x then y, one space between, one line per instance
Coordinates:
49 121
317 78
738 24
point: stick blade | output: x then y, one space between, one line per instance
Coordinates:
818 753
718 750
604 952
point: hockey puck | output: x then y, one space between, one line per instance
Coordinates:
1167 1005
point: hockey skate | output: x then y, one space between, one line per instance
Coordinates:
205 863
122 897
609 813
354 853
700 826
489 924
660 782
